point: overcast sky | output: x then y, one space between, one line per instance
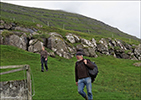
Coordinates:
122 14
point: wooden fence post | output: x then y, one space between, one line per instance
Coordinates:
29 83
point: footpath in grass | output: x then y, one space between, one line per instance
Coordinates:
118 79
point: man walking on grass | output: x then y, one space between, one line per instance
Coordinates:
44 58
82 77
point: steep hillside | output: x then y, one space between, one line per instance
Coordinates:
61 19
118 79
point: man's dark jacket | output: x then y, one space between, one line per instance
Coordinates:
81 71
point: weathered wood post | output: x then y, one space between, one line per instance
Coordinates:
29 95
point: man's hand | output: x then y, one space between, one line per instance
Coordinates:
85 61
46 59
77 83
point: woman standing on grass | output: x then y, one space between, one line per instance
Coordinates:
44 59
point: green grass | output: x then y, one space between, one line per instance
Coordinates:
118 79
31 16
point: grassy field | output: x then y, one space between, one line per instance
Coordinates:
118 79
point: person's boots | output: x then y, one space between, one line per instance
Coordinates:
86 98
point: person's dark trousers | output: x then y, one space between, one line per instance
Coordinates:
42 64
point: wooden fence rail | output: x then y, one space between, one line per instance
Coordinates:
13 66
21 67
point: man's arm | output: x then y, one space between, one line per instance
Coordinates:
46 55
89 64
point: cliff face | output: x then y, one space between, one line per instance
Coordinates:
65 46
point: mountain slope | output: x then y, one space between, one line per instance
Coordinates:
117 79
61 19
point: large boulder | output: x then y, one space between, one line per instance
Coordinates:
35 46
63 54
124 54
8 26
137 52
79 46
92 52
51 54
86 52
57 42
102 47
112 43
24 40
71 49
15 40
127 46
1 24
21 29
77 39
72 38
104 42
58 45
87 42
55 34
119 53
120 44
94 42
112 52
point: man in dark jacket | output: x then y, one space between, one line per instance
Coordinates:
44 57
82 77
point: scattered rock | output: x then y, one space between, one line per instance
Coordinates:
138 64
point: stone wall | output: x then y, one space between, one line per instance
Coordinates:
13 90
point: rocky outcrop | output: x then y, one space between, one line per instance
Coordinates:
1 38
59 46
66 47
35 46
15 40
102 47
137 52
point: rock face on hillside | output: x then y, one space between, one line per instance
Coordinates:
15 40
66 46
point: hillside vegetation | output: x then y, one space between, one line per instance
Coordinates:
25 27
61 19
118 79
